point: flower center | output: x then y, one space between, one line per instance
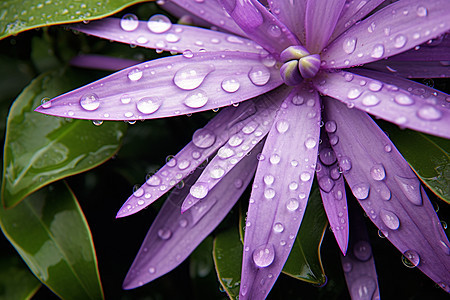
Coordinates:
298 64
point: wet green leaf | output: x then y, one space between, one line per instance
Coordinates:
17 16
227 252
55 242
304 261
428 156
16 281
41 149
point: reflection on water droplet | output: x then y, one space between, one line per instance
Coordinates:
164 233
264 255
217 172
362 250
259 75
411 258
421 11
377 172
390 219
400 41
282 126
363 288
377 51
89 102
429 113
361 190
278 227
292 204
196 99
199 190
159 24
148 105
349 45
191 76
129 22
230 85
135 74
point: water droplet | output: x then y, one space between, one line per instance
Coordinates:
274 159
154 180
377 51
217 172
148 105
152 270
403 99
97 122
330 126
297 100
327 156
129 22
362 250
310 143
196 99
326 184
274 31
445 247
282 126
230 85
278 227
390 219
377 172
421 11
225 153
235 140
292 204
400 41
125 99
135 74
269 193
293 186
375 86
387 148
159 23
411 258
349 45
183 164
370 100
259 75
361 190
138 193
347 267
269 179
411 189
164 233
199 190
203 138
171 161
264 255
363 288
384 192
354 93
172 38
89 102
429 113
191 76
45 102
305 176
345 163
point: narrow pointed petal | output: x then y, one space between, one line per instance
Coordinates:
359 264
389 191
320 20
173 236
260 25
292 14
175 38
401 102
169 86
238 146
210 11
352 12
205 142
280 191
101 62
433 50
332 189
417 69
392 30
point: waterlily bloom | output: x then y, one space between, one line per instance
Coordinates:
303 78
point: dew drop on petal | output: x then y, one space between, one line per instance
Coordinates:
199 190
349 45
151 270
330 126
159 23
363 288
400 41
282 126
225 153
345 163
230 85
274 159
269 193
203 138
89 102
361 190
129 22
326 184
135 74
46 103
305 176
375 86
148 105
377 172
292 204
370 100
429 113
347 267
389 219
411 258
403 99
411 188
353 93
125 99
362 250
154 180
217 172
377 51
297 100
269 179
421 11
327 156
278 227
310 143
138 193
164 233
196 99
264 255
259 75
191 76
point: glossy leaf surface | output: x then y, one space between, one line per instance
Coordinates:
18 16
428 156
41 149
55 242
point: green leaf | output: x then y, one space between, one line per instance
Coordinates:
16 281
227 253
17 16
49 231
41 149
428 156
304 261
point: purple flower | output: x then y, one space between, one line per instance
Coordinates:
309 73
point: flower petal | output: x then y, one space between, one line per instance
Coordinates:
280 191
238 146
392 30
173 236
332 189
358 264
389 191
176 38
109 63
210 11
433 50
417 69
352 12
168 87
292 15
320 20
205 143
260 25
426 111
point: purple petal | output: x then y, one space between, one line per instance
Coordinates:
210 11
169 86
260 25
358 264
352 12
332 189
238 146
320 20
205 143
392 30
173 236
109 63
292 15
417 69
280 191
173 37
433 50
389 191
401 102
